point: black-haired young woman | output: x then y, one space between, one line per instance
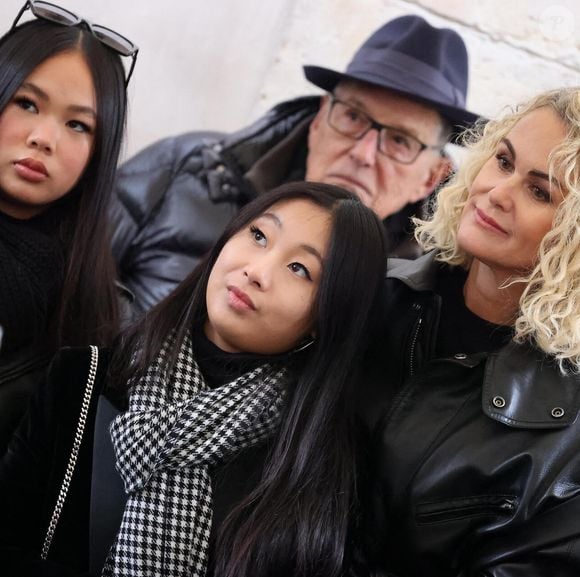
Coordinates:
62 117
238 447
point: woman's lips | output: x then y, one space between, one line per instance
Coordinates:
31 170
239 300
488 222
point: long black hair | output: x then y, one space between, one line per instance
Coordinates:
88 309
296 520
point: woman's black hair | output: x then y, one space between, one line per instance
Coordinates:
296 521
88 311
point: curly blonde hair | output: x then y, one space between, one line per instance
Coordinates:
549 308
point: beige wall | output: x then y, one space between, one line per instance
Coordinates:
217 65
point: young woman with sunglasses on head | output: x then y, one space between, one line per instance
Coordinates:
62 116
238 446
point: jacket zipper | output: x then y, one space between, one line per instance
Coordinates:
417 328
465 508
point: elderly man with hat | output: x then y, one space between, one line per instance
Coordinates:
379 132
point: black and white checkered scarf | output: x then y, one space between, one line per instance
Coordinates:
174 431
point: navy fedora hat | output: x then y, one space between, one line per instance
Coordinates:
413 58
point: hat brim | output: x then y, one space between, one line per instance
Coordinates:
327 79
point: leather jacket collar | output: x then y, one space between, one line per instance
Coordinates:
419 274
523 387
229 159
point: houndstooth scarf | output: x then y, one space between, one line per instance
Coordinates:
175 429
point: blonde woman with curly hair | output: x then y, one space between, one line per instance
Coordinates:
479 452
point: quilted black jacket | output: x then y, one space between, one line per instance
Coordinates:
175 197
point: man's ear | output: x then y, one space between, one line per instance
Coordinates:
322 111
441 169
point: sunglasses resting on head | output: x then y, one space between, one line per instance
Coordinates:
58 15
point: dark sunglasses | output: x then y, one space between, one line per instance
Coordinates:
58 15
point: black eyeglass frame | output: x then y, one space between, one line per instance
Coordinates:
131 49
373 124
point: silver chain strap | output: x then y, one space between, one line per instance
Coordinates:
74 453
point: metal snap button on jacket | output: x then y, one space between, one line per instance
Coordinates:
557 412
498 402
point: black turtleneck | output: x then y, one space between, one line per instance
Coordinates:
31 275
220 367
460 330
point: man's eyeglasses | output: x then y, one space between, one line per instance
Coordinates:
392 142
58 15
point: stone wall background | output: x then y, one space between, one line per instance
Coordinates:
218 65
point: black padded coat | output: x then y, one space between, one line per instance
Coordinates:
174 199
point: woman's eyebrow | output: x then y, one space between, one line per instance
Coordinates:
42 95
510 147
274 218
311 250
35 89
551 181
537 173
306 247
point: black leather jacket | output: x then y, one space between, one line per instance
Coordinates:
478 456
175 198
